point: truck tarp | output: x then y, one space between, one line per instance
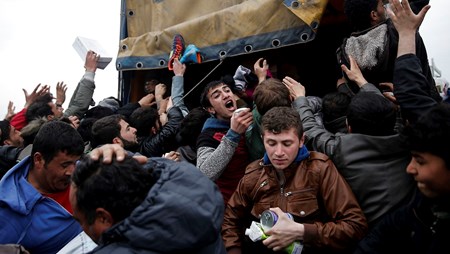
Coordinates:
219 28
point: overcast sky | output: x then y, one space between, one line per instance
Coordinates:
37 36
36 45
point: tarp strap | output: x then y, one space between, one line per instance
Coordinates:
192 89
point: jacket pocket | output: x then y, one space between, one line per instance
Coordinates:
302 204
260 207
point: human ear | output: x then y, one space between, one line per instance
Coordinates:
117 140
103 217
211 110
302 141
38 160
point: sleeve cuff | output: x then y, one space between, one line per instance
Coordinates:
233 136
89 75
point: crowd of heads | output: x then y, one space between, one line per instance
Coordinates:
104 194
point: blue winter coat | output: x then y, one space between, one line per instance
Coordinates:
27 218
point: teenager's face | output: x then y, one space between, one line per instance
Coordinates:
222 102
282 148
431 174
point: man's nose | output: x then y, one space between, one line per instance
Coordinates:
411 168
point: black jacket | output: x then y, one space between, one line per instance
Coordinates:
421 227
8 158
165 140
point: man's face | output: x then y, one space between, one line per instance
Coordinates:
149 86
282 148
431 174
381 11
222 102
127 134
57 111
94 230
55 175
15 139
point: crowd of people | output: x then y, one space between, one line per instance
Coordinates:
364 169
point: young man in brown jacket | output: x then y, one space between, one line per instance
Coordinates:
326 215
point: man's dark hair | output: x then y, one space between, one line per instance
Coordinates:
118 187
279 119
271 93
98 112
54 137
85 128
191 127
371 114
204 100
5 128
105 129
143 119
37 110
334 110
431 133
358 13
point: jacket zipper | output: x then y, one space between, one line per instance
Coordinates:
282 181
289 193
264 183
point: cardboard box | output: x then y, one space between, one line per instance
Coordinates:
83 45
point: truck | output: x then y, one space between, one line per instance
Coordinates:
298 38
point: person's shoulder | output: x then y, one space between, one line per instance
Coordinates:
254 167
313 155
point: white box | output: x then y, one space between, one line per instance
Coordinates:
83 45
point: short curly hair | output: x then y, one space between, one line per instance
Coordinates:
358 12
279 119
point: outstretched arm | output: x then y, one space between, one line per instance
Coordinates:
82 96
177 92
406 23
411 87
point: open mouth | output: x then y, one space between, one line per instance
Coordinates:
229 104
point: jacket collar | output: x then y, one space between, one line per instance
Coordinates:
302 154
16 179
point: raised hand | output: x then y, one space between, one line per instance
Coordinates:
178 68
354 73
404 18
37 92
406 23
61 90
295 88
241 121
91 61
261 66
148 100
11 111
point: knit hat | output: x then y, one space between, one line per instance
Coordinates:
111 103
5 127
